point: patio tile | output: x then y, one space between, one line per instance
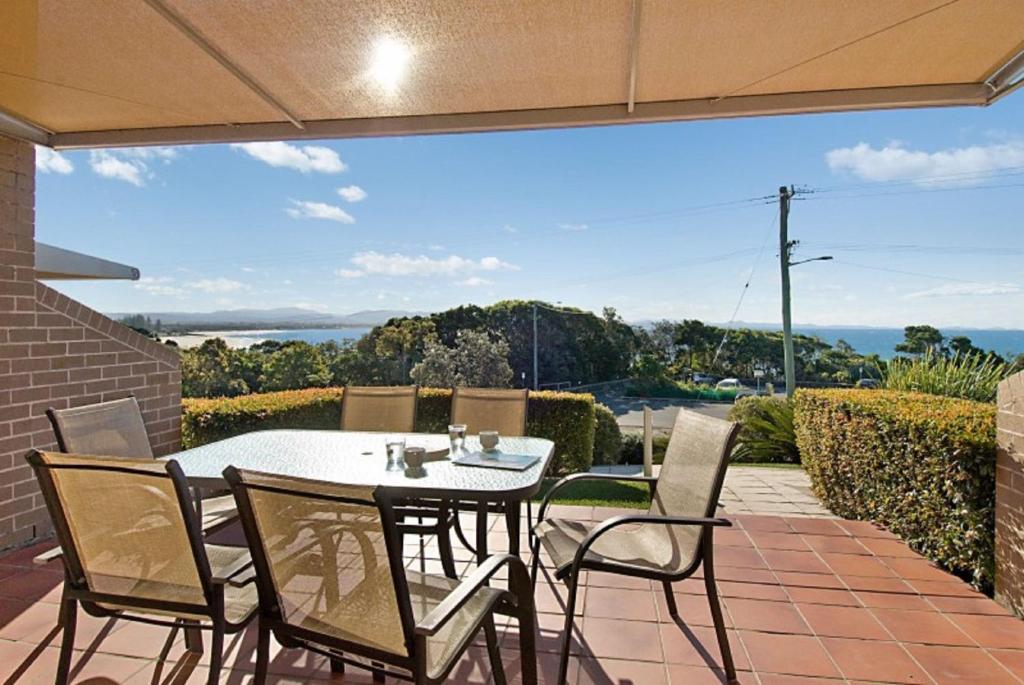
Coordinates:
739 556
875 661
818 580
773 592
835 543
27 665
768 540
33 585
921 626
800 562
615 580
887 548
814 595
865 529
956 665
1003 632
876 584
745 575
774 617
954 587
605 637
604 671
840 621
788 654
967 605
779 679
679 674
635 605
1011 659
857 565
549 598
698 646
893 600
694 610
772 524
812 526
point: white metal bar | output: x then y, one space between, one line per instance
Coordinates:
676 110
1007 76
648 442
56 263
197 37
14 127
634 51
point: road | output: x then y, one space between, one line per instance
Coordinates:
630 411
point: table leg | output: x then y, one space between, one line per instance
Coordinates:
481 532
513 512
197 495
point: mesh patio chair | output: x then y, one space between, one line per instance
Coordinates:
116 429
133 549
669 543
385 409
487 409
329 570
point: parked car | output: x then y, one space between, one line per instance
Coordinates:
728 384
871 383
703 379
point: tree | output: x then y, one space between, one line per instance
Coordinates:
296 365
921 339
404 340
476 361
207 371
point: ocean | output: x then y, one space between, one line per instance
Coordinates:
880 341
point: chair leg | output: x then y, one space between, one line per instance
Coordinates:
193 637
570 611
493 651
528 642
337 666
68 619
444 545
216 652
716 616
534 567
262 654
378 672
670 598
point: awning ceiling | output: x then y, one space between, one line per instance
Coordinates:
95 73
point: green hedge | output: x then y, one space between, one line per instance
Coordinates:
607 436
921 465
567 419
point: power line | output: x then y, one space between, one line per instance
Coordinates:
905 273
848 196
957 177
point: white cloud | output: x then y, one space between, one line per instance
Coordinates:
130 164
48 161
967 289
894 162
307 158
375 263
509 228
111 166
218 285
312 306
159 286
573 227
352 193
475 282
319 210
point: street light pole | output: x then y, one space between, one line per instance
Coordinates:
789 364
535 346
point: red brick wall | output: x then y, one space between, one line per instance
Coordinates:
1010 494
55 352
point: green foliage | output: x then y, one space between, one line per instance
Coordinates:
921 465
666 387
212 370
633 448
767 434
600 493
294 366
567 419
607 436
208 420
476 360
921 339
969 376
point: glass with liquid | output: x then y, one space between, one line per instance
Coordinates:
457 434
396 453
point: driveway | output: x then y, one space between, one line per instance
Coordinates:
629 412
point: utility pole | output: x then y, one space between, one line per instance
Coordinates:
789 364
535 346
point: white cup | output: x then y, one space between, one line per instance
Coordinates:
489 440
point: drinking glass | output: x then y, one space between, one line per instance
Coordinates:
396 453
457 434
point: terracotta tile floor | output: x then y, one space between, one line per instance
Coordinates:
807 601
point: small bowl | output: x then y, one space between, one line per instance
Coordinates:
489 440
414 457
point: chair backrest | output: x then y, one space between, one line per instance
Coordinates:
391 409
113 429
328 560
692 473
490 409
127 529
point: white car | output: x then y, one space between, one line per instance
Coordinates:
728 384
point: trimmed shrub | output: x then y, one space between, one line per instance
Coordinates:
921 465
666 387
567 419
633 448
767 433
607 436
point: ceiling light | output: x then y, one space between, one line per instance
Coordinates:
390 61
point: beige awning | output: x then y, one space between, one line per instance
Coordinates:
59 264
92 73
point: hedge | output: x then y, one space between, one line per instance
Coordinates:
607 436
567 419
921 465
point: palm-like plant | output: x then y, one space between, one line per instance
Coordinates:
767 434
968 376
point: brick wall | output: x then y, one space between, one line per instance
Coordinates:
1010 494
55 352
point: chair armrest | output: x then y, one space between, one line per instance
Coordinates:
519 581
47 556
611 523
231 574
586 476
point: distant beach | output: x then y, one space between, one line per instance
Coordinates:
247 338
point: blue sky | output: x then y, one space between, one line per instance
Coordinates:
655 220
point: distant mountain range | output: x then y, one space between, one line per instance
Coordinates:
283 317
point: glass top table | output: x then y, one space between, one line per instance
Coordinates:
359 458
